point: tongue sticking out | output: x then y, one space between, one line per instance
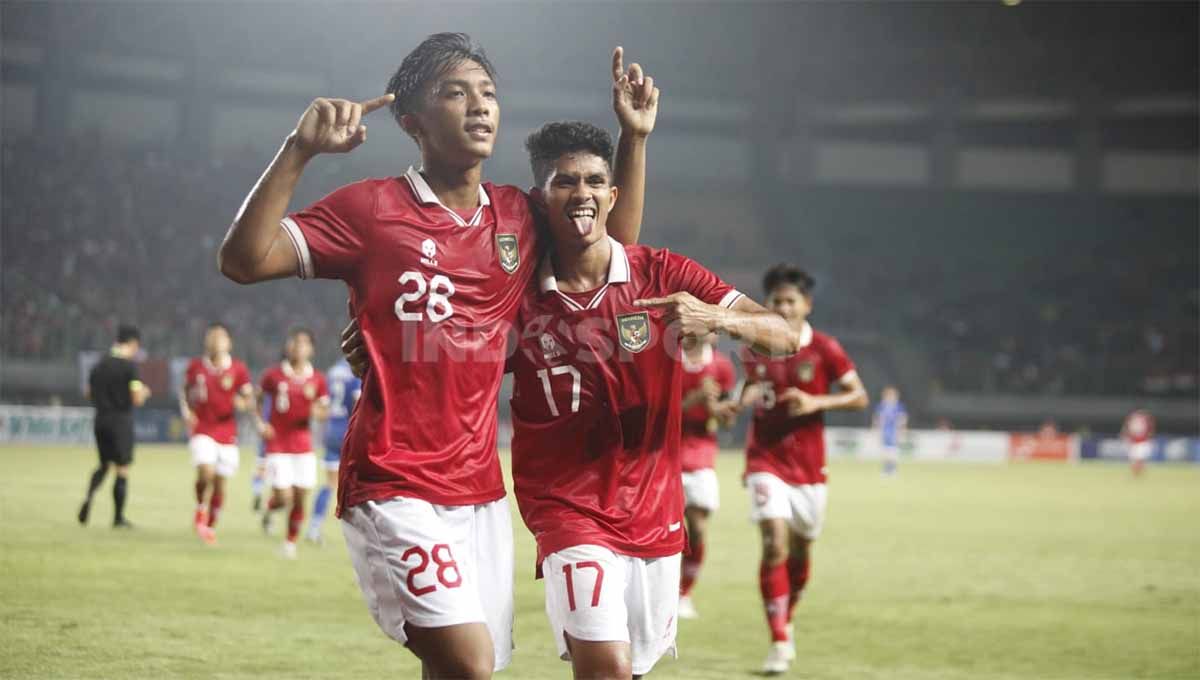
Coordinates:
584 224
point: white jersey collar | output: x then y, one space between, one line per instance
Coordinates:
426 196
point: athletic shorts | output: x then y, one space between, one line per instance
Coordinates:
333 455
802 505
206 451
435 566
285 470
701 489
114 439
1141 450
596 595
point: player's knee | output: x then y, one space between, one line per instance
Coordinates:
475 664
774 550
611 666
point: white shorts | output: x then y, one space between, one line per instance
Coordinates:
435 566
206 451
701 489
1141 450
802 505
285 470
613 598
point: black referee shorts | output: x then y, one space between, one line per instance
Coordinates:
114 439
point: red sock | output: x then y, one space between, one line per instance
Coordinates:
692 559
214 508
797 578
773 582
295 519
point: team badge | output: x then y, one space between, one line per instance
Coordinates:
506 248
227 382
805 371
633 330
310 391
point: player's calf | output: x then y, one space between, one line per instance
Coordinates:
460 651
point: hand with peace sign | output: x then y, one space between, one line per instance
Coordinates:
635 98
334 125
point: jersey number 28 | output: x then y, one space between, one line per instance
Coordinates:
437 306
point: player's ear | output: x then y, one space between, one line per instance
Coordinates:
411 125
612 196
538 196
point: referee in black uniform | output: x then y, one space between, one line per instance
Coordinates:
115 390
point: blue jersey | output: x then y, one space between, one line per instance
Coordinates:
344 390
890 416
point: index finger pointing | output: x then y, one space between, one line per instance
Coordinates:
377 103
652 302
618 63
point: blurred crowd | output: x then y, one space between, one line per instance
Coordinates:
96 236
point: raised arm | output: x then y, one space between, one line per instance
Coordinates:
635 101
255 247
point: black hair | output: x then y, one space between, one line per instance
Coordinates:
788 275
435 55
127 332
551 141
301 330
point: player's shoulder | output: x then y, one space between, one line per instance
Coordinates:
824 340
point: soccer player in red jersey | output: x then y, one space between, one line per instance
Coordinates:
785 452
1138 433
597 414
436 261
216 387
708 382
596 410
299 394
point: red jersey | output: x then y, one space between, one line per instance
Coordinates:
210 391
698 443
1139 427
792 448
434 294
596 411
292 397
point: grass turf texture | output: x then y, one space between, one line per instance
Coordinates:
948 571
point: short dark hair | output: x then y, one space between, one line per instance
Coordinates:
301 330
127 332
788 275
435 55
551 141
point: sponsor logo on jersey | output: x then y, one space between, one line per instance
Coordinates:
429 252
633 331
550 347
805 371
310 391
227 382
506 249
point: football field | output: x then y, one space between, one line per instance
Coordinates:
947 571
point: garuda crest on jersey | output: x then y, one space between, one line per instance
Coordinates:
227 382
805 371
633 330
507 251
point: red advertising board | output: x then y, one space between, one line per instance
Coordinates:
1040 446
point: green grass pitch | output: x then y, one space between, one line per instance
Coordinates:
948 571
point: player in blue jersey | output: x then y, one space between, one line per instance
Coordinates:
892 421
260 460
344 390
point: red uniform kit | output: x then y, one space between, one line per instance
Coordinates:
1138 433
785 455
698 444
290 458
434 293
211 389
596 430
